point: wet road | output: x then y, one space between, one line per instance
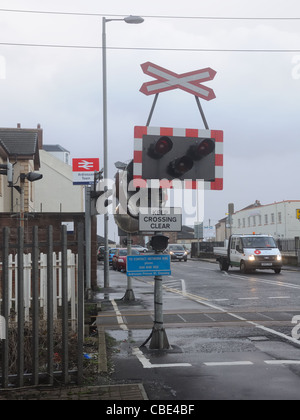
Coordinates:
231 334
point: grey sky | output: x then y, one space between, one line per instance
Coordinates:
257 93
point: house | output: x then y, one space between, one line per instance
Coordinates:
59 152
21 148
56 192
52 200
279 219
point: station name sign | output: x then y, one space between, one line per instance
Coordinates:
160 219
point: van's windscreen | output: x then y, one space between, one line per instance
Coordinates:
262 242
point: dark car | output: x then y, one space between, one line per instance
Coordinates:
177 252
119 260
100 253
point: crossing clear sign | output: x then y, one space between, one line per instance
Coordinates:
148 265
167 219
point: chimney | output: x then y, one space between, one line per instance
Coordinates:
40 136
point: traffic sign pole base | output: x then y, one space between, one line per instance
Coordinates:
159 340
129 296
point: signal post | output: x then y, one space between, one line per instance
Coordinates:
167 156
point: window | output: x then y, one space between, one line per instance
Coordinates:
266 219
272 218
233 243
280 217
239 245
244 222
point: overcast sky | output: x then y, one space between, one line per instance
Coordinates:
257 93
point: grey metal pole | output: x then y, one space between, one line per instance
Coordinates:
159 339
21 313
80 310
129 295
88 236
5 307
105 159
130 20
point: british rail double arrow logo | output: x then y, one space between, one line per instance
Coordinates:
168 80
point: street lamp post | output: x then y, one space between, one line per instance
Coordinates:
130 20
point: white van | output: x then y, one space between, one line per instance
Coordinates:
250 252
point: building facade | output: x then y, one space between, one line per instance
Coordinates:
52 200
54 193
279 219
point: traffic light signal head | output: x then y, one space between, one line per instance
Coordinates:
159 242
168 154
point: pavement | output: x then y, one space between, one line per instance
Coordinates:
124 390
132 392
108 392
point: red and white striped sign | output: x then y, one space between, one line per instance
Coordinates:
141 131
168 80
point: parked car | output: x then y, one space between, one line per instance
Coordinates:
112 252
139 248
100 253
119 260
177 252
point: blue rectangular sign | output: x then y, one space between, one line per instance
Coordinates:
148 265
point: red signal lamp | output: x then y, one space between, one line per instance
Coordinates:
202 149
161 147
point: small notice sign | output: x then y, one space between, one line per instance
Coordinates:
148 265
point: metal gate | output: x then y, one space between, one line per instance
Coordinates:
40 340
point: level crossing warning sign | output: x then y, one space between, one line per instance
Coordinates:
168 80
160 219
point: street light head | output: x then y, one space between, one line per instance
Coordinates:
134 19
31 176
121 165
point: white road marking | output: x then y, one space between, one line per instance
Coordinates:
205 302
148 365
220 300
282 362
249 298
120 319
245 363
